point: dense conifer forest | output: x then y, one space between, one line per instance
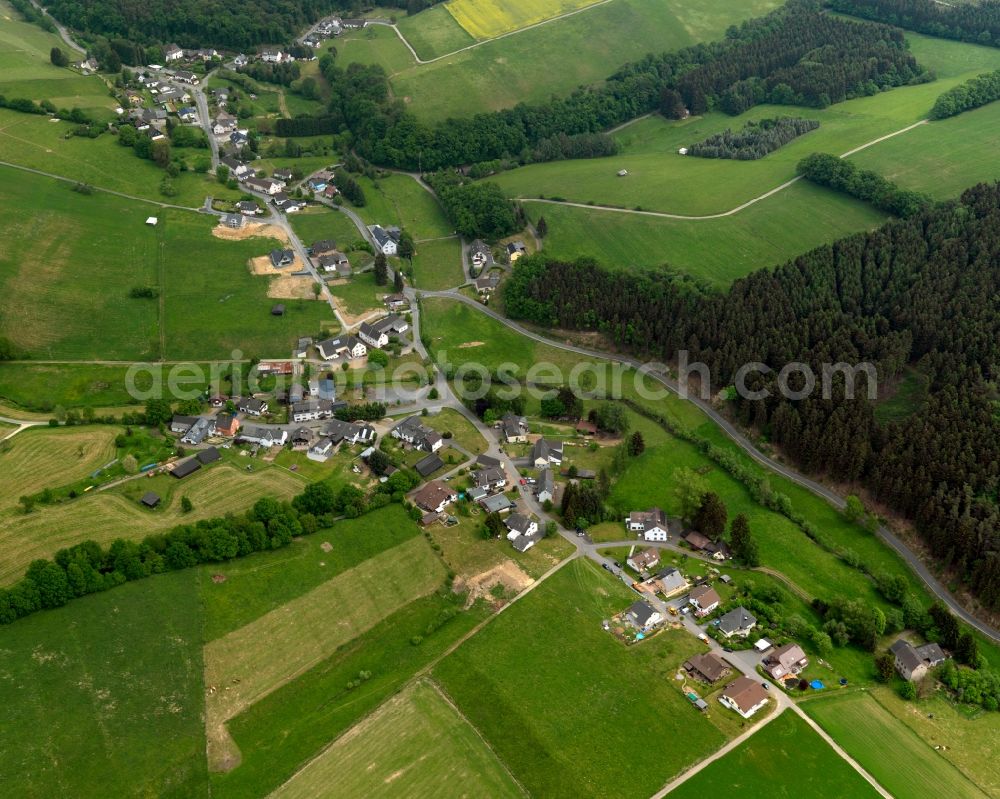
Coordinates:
966 22
920 292
754 140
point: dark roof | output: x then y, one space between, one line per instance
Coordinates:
428 465
209 455
184 468
150 499
278 310
736 620
486 461
641 612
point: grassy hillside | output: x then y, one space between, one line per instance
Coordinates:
785 759
104 697
434 33
531 66
416 744
71 261
569 708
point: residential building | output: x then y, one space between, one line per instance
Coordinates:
186 77
704 599
912 662
181 424
515 250
518 525
487 284
280 258
264 436
545 489
515 428
643 616
497 503
272 56
207 456
745 696
184 468
302 439
785 660
237 169
546 452
349 347
334 262
321 450
198 432
339 431
223 124
284 174
234 221
172 53
247 207
480 256
492 479
707 667
252 407
411 431
385 243
645 560
311 410
670 581
322 247
268 186
379 333
651 523
434 497
396 302
739 621
227 425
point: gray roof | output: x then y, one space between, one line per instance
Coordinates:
736 620
518 522
496 503
381 236
486 461
427 466
641 613
672 579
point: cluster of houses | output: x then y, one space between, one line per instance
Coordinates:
653 525
330 27
914 662
326 257
168 99
333 434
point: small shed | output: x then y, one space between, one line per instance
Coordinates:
209 455
278 310
762 645
622 173
184 468
152 221
150 499
683 151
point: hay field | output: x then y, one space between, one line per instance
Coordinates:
240 671
415 745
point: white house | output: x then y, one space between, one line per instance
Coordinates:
172 53
312 409
272 56
349 347
378 334
383 241
265 437
651 523
643 616
520 525
546 452
745 696
704 599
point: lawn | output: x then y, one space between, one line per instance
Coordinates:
40 143
26 71
286 729
567 707
785 760
44 457
104 696
495 17
210 305
434 32
882 745
306 630
463 432
399 200
533 65
360 294
415 745
318 222
437 264
766 234
259 584
116 513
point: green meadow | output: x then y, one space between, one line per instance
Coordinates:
434 33
533 65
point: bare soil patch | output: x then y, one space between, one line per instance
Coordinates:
251 230
508 574
468 345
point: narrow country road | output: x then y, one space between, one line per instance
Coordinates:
722 214
890 538
63 32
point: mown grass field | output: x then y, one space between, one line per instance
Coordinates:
415 745
26 71
533 65
71 261
766 234
438 265
434 32
399 200
104 696
309 629
462 430
316 224
891 752
282 732
41 457
493 18
567 707
785 759
257 585
112 514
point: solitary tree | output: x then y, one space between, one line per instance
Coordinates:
689 487
381 270
711 516
742 542
58 57
885 667
397 282
636 444
186 504
542 227
406 248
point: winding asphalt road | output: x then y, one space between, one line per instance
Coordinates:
914 562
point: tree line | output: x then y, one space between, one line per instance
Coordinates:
477 210
975 92
965 22
754 140
794 55
846 176
917 292
89 568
